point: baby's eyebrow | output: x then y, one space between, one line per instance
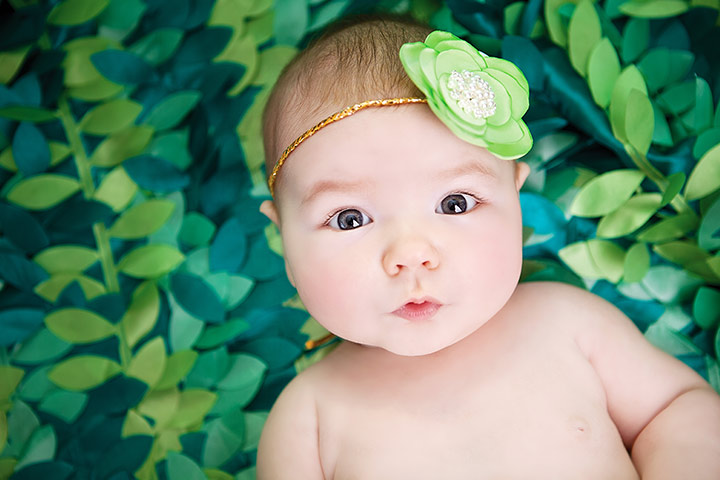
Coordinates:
469 168
332 186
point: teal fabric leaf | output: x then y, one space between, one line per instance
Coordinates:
708 234
19 271
42 347
171 111
290 27
214 336
209 368
125 68
203 45
180 467
56 470
705 141
636 38
229 248
17 324
40 447
155 173
27 233
262 263
523 53
276 352
197 298
122 14
30 149
158 45
127 455
63 404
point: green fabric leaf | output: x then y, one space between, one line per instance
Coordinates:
180 467
630 78
636 38
171 110
30 149
706 307
293 23
675 184
639 124
150 261
177 366
172 146
637 263
630 216
670 285
116 189
705 176
66 258
214 336
36 385
142 314
554 21
222 442
677 98
705 141
595 258
700 117
197 230
75 12
158 45
603 71
121 145
654 8
148 364
606 193
584 33
83 372
65 405
122 14
42 347
708 235
17 324
125 68
9 380
254 422
194 405
156 174
110 117
246 373
142 219
41 447
669 228
197 297
43 191
52 287
76 325
22 113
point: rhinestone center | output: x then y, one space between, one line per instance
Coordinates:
472 93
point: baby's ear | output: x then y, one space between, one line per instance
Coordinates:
268 209
522 170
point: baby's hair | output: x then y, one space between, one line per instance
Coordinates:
354 60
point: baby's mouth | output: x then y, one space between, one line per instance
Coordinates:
417 310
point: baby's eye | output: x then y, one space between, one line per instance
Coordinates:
348 219
456 204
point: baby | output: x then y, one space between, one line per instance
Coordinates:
402 233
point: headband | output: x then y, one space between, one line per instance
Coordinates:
481 99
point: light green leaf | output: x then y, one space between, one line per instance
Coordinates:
172 109
595 258
160 405
637 263
180 467
584 33
116 189
66 259
83 372
149 362
150 261
75 12
605 193
639 121
705 177
135 424
43 191
706 307
176 368
123 144
555 23
9 380
40 448
630 78
629 217
602 72
669 228
142 314
10 63
23 113
681 252
654 8
142 219
51 288
77 325
110 117
194 405
675 184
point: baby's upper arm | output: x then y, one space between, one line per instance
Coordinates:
289 443
639 379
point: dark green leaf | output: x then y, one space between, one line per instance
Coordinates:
291 26
50 469
65 405
30 149
706 307
122 14
705 141
75 12
42 347
27 114
180 467
197 298
678 98
26 233
126 455
636 38
196 230
171 110
276 352
214 336
708 235
125 68
203 45
158 45
155 173
229 249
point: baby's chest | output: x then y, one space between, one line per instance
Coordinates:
542 419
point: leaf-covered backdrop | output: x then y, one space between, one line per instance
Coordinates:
146 323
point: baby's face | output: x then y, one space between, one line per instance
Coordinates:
397 234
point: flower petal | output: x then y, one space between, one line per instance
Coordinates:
513 150
458 60
520 98
509 68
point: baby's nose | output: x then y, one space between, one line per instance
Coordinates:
410 253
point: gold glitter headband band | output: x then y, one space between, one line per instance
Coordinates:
334 118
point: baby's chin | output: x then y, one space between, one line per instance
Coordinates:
415 349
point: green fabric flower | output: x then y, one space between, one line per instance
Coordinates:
480 98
